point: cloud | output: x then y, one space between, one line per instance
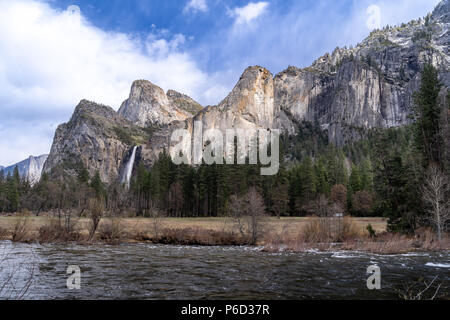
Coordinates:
248 13
196 5
51 59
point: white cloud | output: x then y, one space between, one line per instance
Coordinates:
50 60
249 12
196 5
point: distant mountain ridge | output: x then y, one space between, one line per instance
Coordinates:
30 168
346 92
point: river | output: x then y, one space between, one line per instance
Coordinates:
145 271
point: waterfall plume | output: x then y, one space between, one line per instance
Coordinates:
129 168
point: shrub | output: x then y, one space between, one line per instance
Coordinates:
21 231
196 236
124 136
55 232
371 231
3 233
363 203
329 230
96 208
111 231
421 35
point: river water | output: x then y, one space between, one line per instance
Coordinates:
144 271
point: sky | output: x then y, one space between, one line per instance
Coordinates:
54 53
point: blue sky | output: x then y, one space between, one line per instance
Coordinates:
53 53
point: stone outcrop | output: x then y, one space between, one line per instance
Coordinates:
148 105
97 138
183 102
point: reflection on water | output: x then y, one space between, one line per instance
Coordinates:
146 271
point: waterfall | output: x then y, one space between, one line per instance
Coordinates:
129 169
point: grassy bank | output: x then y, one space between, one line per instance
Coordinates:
294 234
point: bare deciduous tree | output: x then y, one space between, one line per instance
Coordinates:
21 230
435 196
249 211
414 290
339 196
256 212
157 217
16 278
96 208
281 200
237 211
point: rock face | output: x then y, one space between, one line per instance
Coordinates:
442 11
148 105
183 102
346 92
250 105
29 169
370 85
97 138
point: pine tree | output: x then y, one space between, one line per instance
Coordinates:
189 189
366 175
322 184
83 175
427 115
293 190
164 177
307 180
16 176
12 193
355 180
2 191
98 186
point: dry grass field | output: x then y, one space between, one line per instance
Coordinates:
285 225
293 234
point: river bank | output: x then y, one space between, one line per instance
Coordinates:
276 234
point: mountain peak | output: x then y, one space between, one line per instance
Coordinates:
149 105
145 85
86 107
252 76
442 11
253 97
253 72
